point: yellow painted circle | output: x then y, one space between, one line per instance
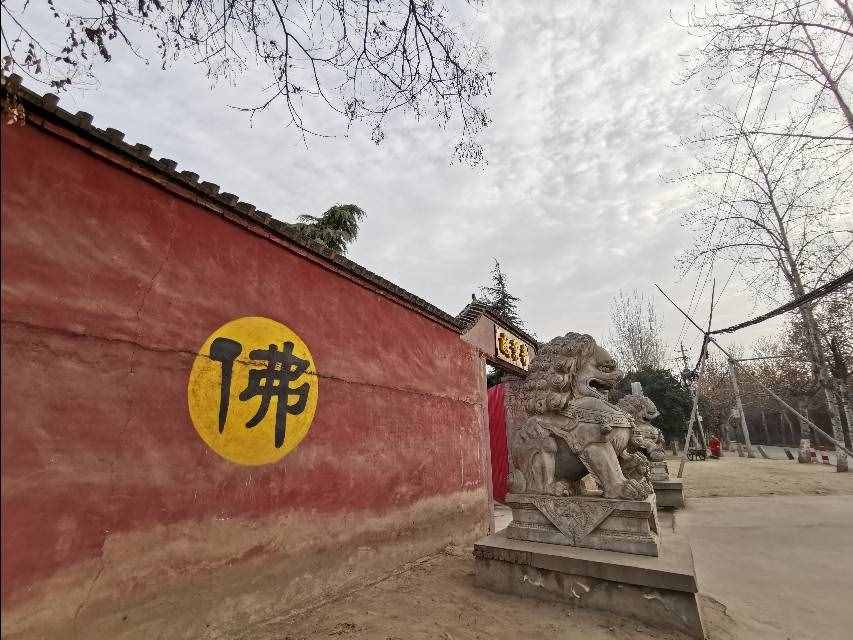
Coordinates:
269 364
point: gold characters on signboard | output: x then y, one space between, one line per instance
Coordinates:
513 350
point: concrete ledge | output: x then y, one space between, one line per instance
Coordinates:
669 493
673 569
660 592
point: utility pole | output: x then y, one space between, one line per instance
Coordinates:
694 392
684 357
693 413
695 416
811 428
744 428
787 427
699 424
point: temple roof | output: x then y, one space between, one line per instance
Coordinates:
468 317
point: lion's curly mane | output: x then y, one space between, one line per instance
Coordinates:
635 405
553 373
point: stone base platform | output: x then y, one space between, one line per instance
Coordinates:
627 526
658 591
669 493
659 471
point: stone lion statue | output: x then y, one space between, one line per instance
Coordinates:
571 429
646 438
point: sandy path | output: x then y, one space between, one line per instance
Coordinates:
733 476
437 600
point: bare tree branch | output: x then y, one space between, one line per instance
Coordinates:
362 60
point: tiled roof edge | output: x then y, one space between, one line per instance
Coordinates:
468 317
47 105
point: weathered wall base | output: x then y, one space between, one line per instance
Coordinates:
212 579
660 592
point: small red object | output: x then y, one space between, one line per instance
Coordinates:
714 446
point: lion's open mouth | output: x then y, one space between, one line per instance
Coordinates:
608 375
601 386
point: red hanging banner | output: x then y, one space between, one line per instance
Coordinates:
497 442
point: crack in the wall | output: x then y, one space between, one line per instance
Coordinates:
88 596
192 353
166 259
133 351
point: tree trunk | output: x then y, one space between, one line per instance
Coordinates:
824 378
789 267
848 13
844 404
813 433
825 381
743 425
837 431
829 81
790 429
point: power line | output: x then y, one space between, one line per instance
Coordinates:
729 172
767 358
826 289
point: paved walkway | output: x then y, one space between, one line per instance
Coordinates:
785 562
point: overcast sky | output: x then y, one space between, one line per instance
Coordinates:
587 116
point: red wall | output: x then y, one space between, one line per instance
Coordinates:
110 283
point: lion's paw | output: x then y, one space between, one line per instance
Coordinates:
635 466
635 490
559 488
657 455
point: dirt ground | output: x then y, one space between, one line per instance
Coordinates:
732 476
436 598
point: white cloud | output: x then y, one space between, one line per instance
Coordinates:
587 116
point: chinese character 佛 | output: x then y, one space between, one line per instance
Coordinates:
271 382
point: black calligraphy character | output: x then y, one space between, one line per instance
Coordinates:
274 380
225 351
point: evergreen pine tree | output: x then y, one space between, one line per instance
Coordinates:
501 302
335 229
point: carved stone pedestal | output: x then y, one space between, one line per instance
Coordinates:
627 526
669 493
659 471
660 592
